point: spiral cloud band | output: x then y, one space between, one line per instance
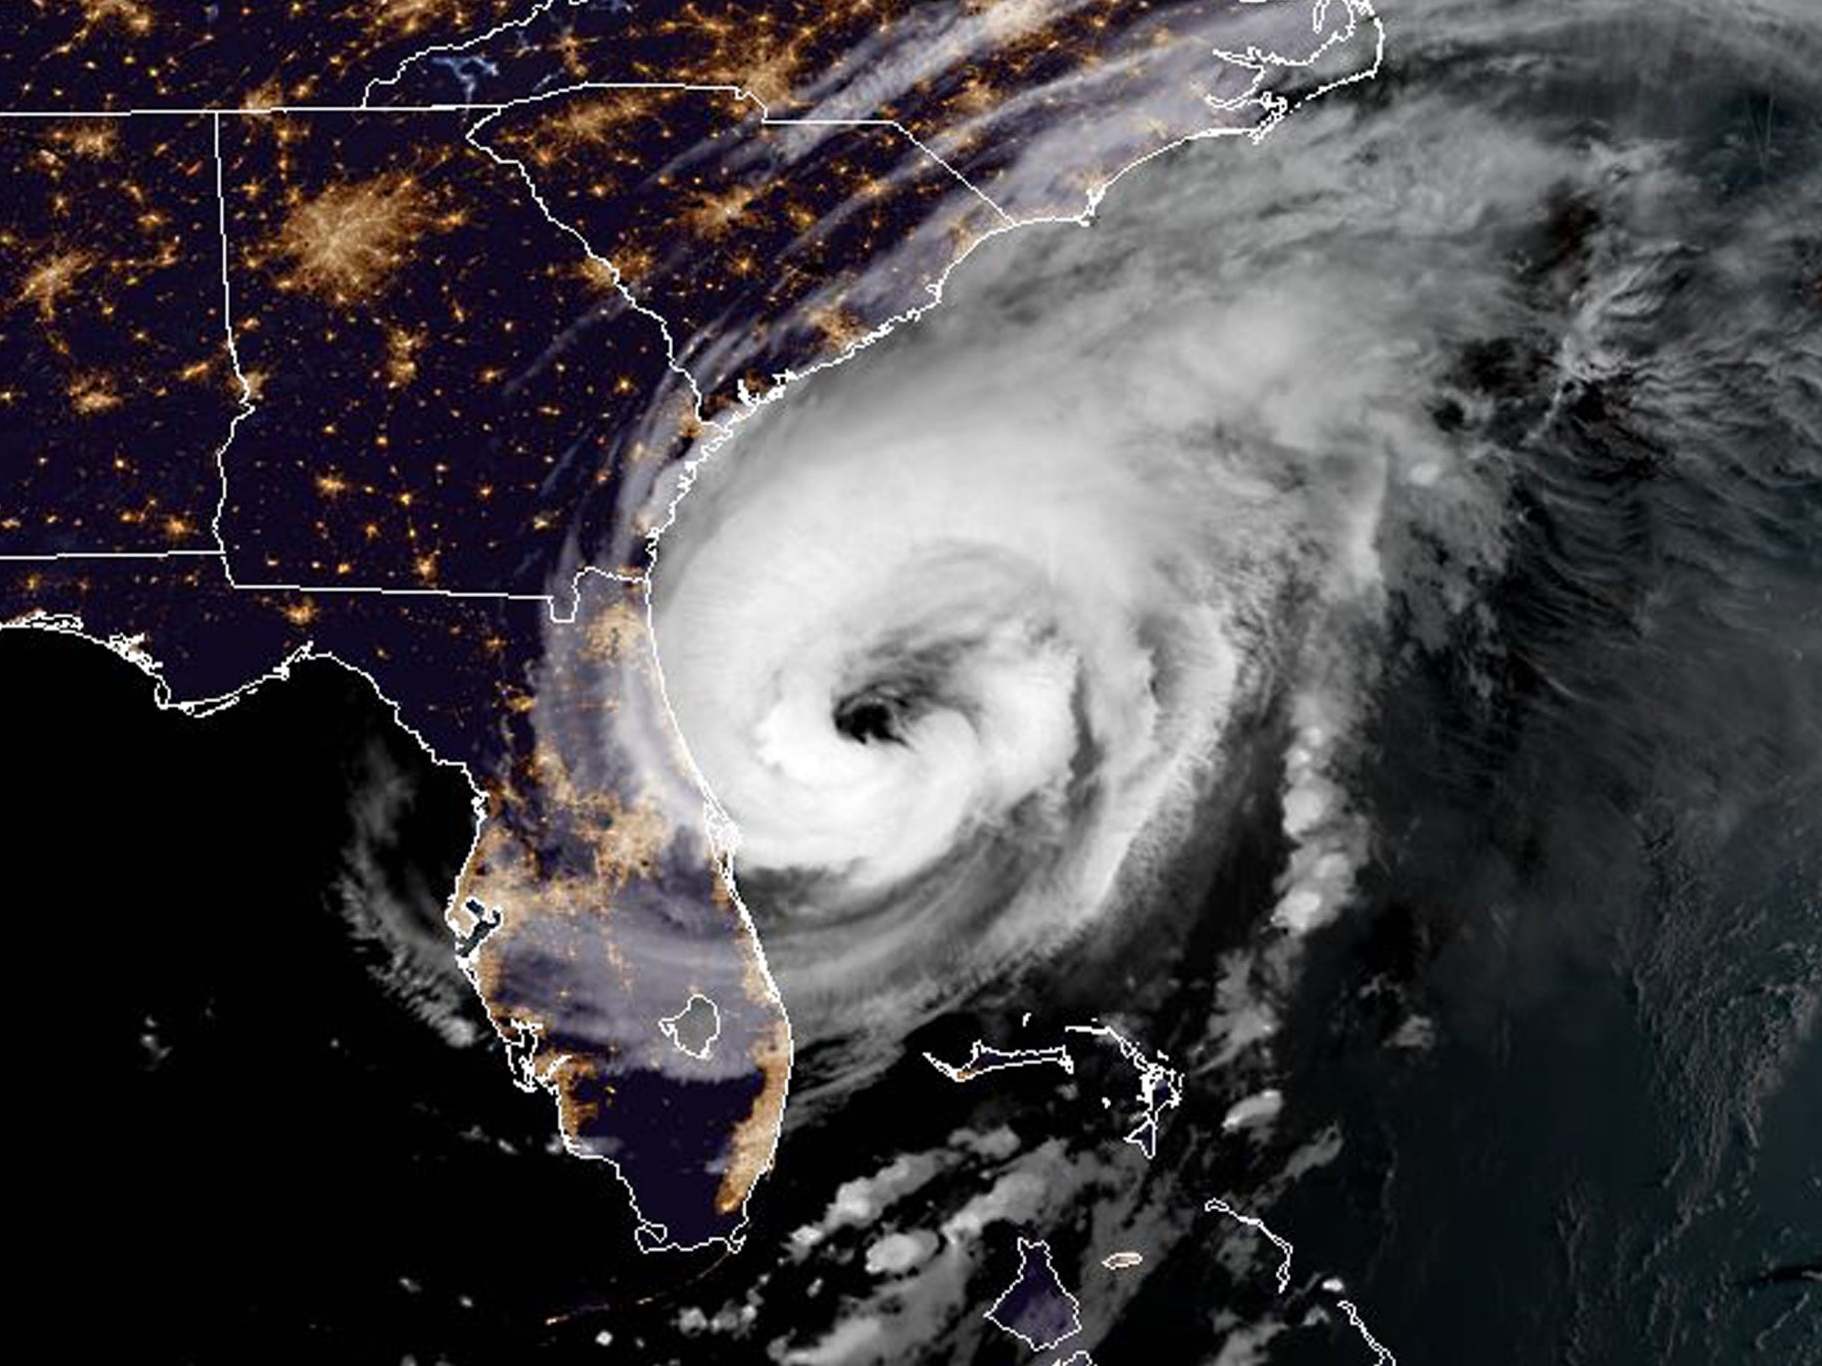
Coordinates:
959 635
947 616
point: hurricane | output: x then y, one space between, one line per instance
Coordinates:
964 636
924 681
1171 628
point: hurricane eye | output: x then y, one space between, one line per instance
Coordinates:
871 717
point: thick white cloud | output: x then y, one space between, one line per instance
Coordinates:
957 632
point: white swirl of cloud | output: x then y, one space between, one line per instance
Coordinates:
961 634
950 607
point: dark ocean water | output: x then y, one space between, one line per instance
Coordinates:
1559 1059
263 1122
263 1127
1599 871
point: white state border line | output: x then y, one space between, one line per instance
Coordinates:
246 407
490 111
460 45
129 646
1261 63
243 111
